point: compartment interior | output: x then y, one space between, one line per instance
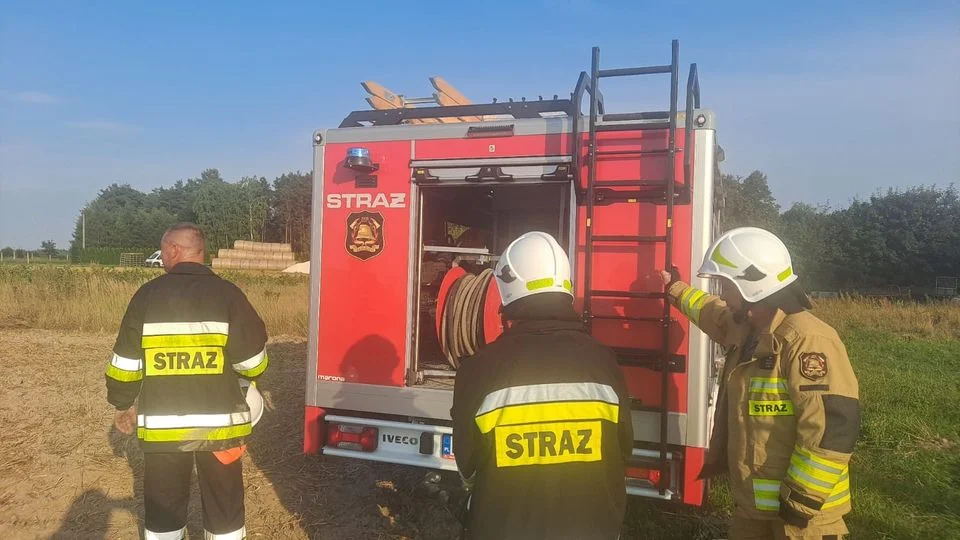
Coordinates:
470 226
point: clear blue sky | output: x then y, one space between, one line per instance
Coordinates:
833 100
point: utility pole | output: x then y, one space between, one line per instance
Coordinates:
83 218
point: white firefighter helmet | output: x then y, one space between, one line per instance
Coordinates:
532 264
254 400
754 260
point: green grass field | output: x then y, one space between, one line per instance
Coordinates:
906 469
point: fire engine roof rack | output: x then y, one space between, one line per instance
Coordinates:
535 109
515 109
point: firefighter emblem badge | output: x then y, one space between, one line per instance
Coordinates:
813 366
364 234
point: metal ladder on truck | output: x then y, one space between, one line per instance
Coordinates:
657 191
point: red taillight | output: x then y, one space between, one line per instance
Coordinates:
653 476
368 439
334 435
352 437
643 473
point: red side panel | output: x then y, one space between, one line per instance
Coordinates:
363 268
693 489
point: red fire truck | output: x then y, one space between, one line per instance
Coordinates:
400 293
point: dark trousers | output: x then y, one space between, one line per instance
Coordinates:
166 493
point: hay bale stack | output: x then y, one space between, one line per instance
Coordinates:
248 245
248 255
249 264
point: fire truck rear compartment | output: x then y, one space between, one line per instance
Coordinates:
468 226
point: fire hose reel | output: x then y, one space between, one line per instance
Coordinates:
468 313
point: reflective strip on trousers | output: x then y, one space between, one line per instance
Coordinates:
766 495
239 534
172 535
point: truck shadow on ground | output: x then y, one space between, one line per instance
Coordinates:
329 497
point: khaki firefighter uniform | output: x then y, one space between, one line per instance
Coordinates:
185 339
786 421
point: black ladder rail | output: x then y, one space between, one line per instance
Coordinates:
629 238
576 104
591 180
668 255
626 318
693 103
666 364
632 152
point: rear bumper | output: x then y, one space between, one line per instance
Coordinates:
419 445
429 446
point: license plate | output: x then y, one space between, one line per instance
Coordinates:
446 447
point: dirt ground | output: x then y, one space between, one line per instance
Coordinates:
65 473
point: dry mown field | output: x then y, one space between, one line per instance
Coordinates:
65 474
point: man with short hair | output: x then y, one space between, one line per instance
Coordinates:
186 338
788 413
541 417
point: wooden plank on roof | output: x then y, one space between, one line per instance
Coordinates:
382 98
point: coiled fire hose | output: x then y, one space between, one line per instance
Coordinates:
462 320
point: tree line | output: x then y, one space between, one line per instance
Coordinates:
895 238
906 238
122 218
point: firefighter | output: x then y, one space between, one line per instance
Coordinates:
185 339
788 413
541 416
